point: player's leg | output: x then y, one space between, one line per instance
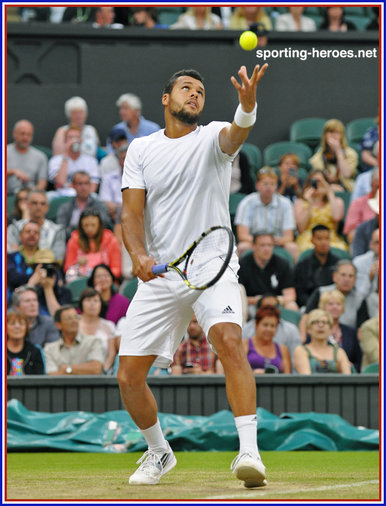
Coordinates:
155 323
218 311
142 407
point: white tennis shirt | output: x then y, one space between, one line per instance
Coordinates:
187 182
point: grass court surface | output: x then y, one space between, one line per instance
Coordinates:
198 475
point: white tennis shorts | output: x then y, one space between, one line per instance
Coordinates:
160 312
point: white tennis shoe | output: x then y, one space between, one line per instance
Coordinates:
153 467
250 469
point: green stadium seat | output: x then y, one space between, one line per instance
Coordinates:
10 203
253 154
76 287
130 288
340 253
234 201
44 149
283 253
290 316
371 369
169 15
313 11
354 11
360 22
273 152
356 129
317 19
308 131
346 197
54 206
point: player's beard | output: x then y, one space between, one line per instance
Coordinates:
185 117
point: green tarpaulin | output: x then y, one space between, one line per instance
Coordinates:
114 431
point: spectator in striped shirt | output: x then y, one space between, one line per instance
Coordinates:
266 210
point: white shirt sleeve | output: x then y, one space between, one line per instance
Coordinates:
132 176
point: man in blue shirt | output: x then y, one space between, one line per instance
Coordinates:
133 123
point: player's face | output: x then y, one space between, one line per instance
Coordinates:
186 100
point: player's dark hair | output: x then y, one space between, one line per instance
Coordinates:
190 72
316 228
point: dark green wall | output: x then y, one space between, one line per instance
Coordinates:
48 64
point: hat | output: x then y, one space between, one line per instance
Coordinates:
374 203
44 256
117 134
259 29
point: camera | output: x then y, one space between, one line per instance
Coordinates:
50 269
293 172
314 183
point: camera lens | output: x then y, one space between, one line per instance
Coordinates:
75 148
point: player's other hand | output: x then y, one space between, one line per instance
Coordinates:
142 267
248 87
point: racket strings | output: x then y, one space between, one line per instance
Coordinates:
200 267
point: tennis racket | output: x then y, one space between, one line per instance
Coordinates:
192 266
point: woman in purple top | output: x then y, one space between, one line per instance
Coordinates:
114 304
263 354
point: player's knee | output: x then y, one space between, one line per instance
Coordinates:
129 379
229 346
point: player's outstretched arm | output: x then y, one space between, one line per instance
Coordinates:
232 137
133 232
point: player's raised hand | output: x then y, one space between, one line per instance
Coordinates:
248 87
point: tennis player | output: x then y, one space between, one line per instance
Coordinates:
175 185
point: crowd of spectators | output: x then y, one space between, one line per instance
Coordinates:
263 19
309 263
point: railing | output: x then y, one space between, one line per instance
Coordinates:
355 398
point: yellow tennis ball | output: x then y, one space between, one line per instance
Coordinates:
248 40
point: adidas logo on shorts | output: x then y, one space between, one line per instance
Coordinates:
228 310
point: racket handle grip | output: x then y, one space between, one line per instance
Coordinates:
160 268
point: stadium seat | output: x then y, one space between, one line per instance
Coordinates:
360 22
234 201
10 203
44 149
313 11
130 288
169 15
308 131
346 197
317 19
290 316
354 11
54 206
283 253
273 152
340 253
76 287
371 369
253 154
356 129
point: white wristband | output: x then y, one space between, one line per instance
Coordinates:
245 119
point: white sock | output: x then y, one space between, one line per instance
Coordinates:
247 430
155 439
